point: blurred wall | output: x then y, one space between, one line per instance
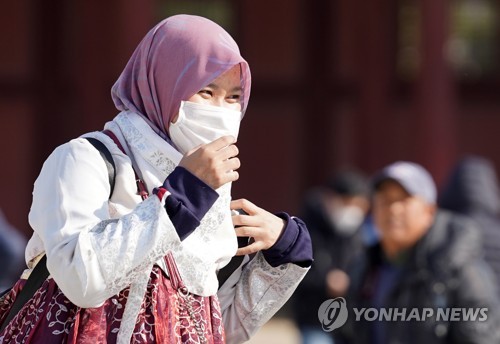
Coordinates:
327 88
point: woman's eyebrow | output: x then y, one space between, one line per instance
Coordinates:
212 85
216 87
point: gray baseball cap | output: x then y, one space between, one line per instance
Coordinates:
415 179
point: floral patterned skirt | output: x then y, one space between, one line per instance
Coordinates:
49 317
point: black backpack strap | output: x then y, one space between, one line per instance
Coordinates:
33 283
108 160
40 272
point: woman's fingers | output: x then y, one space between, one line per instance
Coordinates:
228 152
263 238
231 176
248 231
250 249
220 143
246 205
245 220
232 164
256 242
265 228
214 163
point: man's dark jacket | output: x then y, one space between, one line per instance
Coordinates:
444 269
472 189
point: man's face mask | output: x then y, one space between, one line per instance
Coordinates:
347 219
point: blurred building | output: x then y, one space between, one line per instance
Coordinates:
339 82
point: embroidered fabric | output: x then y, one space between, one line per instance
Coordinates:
259 291
198 257
50 318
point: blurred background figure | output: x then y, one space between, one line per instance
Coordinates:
12 245
472 189
426 258
334 214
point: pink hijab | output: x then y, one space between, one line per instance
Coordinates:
178 57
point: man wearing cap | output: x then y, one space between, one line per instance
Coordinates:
426 274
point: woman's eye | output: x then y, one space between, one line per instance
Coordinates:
234 98
205 93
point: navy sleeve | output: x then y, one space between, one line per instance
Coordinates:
293 246
189 200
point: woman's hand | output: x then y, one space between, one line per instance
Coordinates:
214 163
262 226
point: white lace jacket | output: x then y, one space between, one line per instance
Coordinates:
97 246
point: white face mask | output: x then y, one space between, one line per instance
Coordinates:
347 219
200 124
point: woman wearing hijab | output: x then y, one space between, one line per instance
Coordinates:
182 96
